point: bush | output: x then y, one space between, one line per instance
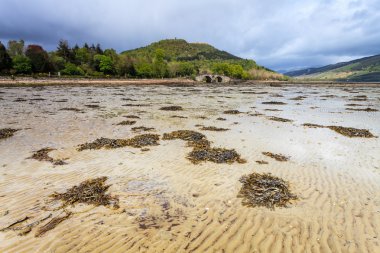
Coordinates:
22 64
72 70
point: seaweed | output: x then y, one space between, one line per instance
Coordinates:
171 108
179 117
43 155
142 129
346 131
131 117
232 112
221 119
51 224
298 98
70 109
90 192
216 155
280 119
7 132
93 106
192 137
262 162
277 157
126 123
265 190
136 142
352 132
368 109
273 103
212 128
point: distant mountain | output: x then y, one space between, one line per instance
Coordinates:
366 69
181 50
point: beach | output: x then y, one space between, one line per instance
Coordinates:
168 203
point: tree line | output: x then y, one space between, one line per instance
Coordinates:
92 61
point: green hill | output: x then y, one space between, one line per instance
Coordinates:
188 59
360 70
181 50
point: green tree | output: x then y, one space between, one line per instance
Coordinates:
160 66
22 64
64 50
15 48
104 64
145 70
5 59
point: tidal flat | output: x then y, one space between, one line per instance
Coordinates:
232 168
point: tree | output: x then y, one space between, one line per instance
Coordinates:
160 66
22 64
104 64
72 70
5 59
15 48
64 50
38 57
125 66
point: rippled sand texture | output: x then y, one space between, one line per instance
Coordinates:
167 203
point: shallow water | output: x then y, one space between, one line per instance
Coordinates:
168 204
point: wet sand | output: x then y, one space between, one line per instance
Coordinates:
169 204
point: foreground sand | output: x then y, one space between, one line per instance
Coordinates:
168 204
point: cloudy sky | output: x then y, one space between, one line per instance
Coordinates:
279 34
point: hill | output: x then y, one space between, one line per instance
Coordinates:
198 58
365 69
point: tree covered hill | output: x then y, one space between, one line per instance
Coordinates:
365 69
162 59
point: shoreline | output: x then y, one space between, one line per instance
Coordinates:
53 81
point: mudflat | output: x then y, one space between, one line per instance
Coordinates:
195 178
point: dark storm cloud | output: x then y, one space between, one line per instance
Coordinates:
278 34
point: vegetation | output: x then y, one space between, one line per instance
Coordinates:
361 70
163 59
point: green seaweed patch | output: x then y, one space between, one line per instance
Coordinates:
171 108
216 155
7 132
43 155
265 190
277 157
136 142
126 123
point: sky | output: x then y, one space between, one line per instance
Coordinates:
279 34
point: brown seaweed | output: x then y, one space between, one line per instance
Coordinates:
43 155
171 108
90 192
280 119
7 132
232 112
368 109
216 155
265 190
277 157
213 128
142 129
51 224
126 123
136 142
346 131
273 103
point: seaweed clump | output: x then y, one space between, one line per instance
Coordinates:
7 132
171 108
90 192
280 119
43 155
142 129
52 224
216 155
212 128
126 123
202 150
346 131
136 142
265 190
368 109
232 112
273 103
277 157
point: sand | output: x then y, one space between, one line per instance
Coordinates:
167 203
